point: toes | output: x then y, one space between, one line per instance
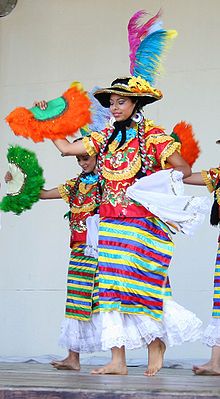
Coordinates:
150 373
96 371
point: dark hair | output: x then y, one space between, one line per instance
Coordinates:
214 217
123 81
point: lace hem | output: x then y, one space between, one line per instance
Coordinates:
211 336
81 336
134 331
181 325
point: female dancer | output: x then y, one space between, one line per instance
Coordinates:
211 337
135 247
80 331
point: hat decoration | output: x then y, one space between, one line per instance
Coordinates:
27 180
62 117
148 44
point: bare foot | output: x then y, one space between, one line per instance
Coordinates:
156 351
70 363
209 368
112 368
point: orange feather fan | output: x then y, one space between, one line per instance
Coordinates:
67 114
183 133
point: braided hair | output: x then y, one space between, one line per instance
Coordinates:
214 217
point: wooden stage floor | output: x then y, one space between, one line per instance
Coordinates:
41 381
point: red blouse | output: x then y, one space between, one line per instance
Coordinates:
120 167
82 204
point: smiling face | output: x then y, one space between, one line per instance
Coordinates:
121 107
87 162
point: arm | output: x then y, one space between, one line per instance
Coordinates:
67 148
45 194
195 179
178 163
50 194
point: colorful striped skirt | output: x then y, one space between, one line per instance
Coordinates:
134 256
211 336
81 280
216 295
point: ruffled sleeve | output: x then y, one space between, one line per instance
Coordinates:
93 142
161 145
65 189
211 178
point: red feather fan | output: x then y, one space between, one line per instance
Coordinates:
183 132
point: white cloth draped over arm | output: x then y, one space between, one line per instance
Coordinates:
162 193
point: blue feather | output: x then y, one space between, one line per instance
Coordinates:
100 115
149 55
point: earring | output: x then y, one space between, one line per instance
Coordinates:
112 121
138 117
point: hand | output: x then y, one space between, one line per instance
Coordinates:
8 177
41 104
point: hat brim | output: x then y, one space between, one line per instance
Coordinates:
103 96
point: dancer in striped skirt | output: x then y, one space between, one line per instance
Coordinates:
80 331
135 246
211 337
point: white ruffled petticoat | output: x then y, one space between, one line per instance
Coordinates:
81 336
134 331
211 335
109 329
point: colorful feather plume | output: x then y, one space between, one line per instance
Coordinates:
148 43
183 133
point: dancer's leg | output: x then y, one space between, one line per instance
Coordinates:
156 350
117 364
71 362
213 365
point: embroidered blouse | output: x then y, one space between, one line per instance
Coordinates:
82 204
120 166
211 178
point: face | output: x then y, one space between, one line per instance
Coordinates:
87 163
121 107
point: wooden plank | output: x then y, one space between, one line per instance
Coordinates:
32 381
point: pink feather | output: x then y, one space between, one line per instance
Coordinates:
137 32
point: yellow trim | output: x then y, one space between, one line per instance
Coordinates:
97 136
84 208
207 180
85 188
63 193
118 175
89 146
218 195
149 124
157 139
168 151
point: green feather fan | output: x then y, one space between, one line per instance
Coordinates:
27 180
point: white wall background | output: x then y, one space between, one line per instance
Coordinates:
44 46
